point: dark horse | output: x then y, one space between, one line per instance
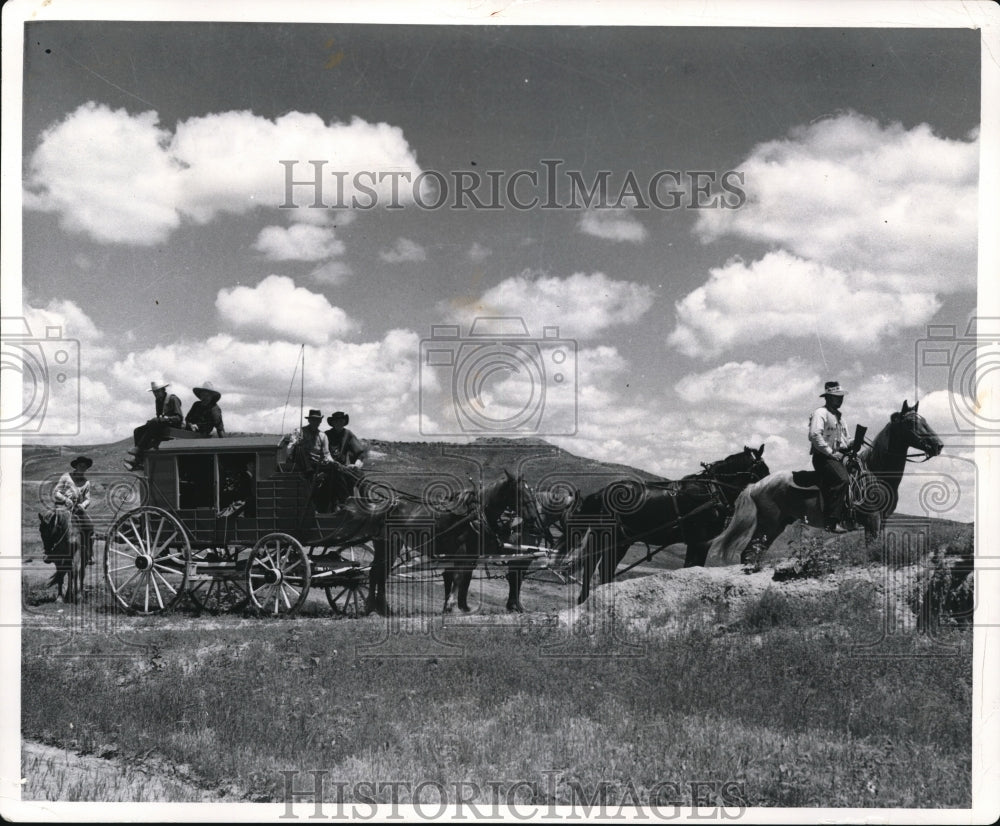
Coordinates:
691 510
766 508
68 546
459 529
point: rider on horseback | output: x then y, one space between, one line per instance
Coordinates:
72 493
829 446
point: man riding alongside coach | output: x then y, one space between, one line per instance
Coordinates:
829 445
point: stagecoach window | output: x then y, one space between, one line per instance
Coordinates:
196 481
238 482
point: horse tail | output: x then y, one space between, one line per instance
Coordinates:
739 531
576 559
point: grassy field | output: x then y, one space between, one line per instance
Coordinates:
772 702
778 704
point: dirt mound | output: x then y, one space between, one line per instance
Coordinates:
687 599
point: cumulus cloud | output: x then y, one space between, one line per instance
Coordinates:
277 307
123 178
612 225
854 194
402 251
750 385
299 242
782 295
581 305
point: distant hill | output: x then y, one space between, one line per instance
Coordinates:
537 460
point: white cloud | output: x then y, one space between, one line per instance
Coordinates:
580 305
277 307
855 195
750 385
477 252
123 178
612 225
403 250
299 242
782 295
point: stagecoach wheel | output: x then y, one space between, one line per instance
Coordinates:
146 560
348 597
278 573
217 596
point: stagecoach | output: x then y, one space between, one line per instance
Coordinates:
227 523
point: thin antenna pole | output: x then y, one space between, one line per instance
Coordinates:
302 388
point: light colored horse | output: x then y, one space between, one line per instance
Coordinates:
764 509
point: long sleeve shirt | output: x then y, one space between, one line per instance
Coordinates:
205 418
827 432
311 449
70 495
347 448
170 408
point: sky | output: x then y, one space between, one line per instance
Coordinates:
154 233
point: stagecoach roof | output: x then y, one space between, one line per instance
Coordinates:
215 445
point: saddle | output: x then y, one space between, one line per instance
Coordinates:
807 481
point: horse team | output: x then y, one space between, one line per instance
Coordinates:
721 511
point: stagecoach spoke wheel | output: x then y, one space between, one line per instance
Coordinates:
278 574
218 595
147 559
348 597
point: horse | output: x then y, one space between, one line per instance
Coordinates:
763 510
691 510
68 546
455 529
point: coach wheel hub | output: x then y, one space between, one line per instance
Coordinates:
143 561
272 575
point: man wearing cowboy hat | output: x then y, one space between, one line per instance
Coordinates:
312 449
828 445
72 492
205 414
168 414
345 447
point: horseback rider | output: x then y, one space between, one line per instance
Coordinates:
829 444
72 493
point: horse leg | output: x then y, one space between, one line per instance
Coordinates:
449 578
696 554
515 576
464 579
376 579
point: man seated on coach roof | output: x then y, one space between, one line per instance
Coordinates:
205 414
148 436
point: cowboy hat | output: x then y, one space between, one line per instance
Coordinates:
340 414
208 387
832 388
158 385
86 461
314 414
